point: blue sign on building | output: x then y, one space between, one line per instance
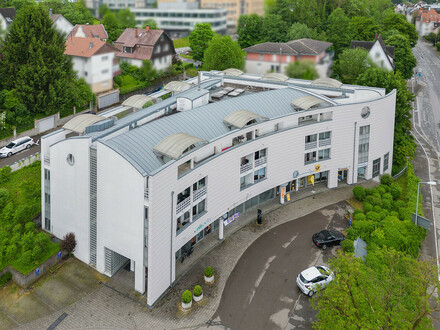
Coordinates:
59 255
37 271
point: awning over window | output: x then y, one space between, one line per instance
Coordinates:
306 102
326 82
233 72
79 123
138 101
241 118
174 145
275 76
177 86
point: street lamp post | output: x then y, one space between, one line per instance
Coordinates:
431 183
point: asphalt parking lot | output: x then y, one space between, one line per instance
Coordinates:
261 292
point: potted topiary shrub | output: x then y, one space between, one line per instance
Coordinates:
198 293
186 299
209 274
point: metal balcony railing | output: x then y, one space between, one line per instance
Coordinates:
311 145
183 205
325 142
197 194
261 161
246 167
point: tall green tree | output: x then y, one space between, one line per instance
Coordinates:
126 18
404 145
302 70
405 61
351 64
338 30
390 291
274 29
364 28
249 30
199 40
223 53
152 25
34 62
398 22
284 9
301 30
111 24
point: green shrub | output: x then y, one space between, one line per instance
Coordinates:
374 200
356 211
5 278
386 179
4 197
394 214
147 104
11 252
209 271
348 245
359 217
383 214
5 174
186 297
368 207
381 190
377 208
29 226
396 191
359 193
387 196
373 216
352 233
197 291
386 204
369 191
37 253
42 240
364 228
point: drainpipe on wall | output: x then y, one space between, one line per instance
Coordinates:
354 153
171 239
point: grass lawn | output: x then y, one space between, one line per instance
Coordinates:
179 43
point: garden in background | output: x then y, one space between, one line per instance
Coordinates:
392 287
22 245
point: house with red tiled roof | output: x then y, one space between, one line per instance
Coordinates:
276 56
94 60
425 21
89 31
136 45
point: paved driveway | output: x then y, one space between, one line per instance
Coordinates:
261 292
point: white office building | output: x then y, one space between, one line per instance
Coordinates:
146 187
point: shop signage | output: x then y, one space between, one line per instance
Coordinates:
295 174
202 225
317 168
232 218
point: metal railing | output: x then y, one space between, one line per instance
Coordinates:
311 145
325 142
246 167
197 194
261 161
183 205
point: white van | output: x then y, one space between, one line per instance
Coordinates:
16 146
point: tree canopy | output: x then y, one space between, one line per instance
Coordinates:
303 69
249 30
274 29
398 22
352 63
35 64
223 53
199 39
405 61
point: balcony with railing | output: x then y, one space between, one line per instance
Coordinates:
260 161
325 142
311 145
183 205
146 193
245 168
199 194
46 160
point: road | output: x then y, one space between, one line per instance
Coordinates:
261 292
429 111
22 154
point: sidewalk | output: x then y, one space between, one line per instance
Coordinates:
106 305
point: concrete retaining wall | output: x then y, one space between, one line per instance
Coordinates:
33 276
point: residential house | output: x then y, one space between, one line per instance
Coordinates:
61 23
6 17
141 190
93 60
136 45
89 31
378 52
425 21
275 57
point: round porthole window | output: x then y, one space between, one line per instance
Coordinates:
70 159
365 112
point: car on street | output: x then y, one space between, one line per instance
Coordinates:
314 278
16 146
326 238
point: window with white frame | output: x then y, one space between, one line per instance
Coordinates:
325 135
386 159
311 138
183 195
199 184
259 174
310 157
260 154
198 209
182 221
324 154
364 144
376 167
104 58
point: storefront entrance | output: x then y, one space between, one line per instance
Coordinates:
342 175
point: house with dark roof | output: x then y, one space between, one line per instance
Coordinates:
378 52
94 60
136 45
276 56
89 31
6 17
61 23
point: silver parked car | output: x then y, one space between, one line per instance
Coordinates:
314 278
16 146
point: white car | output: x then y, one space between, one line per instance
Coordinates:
313 278
16 146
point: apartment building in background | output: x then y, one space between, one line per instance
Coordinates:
139 190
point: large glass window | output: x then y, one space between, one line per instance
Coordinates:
324 154
311 138
259 174
310 157
198 209
260 154
364 143
199 184
183 195
182 221
376 167
386 159
324 135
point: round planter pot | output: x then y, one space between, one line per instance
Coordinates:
198 298
209 279
187 305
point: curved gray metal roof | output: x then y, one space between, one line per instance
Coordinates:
240 118
205 122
